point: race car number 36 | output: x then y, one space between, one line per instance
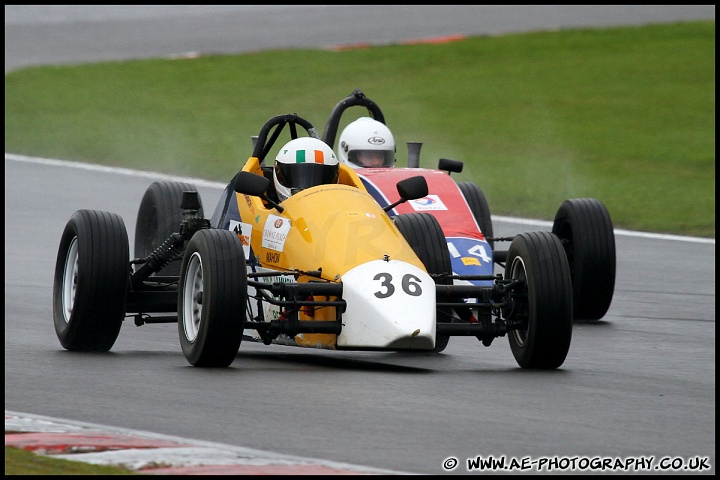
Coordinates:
410 284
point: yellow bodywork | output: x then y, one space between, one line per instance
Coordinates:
327 228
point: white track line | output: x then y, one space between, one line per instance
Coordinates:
211 184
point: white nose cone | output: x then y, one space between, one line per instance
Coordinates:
390 305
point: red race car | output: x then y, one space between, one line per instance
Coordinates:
583 225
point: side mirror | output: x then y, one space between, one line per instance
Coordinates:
413 188
450 165
251 184
254 185
410 189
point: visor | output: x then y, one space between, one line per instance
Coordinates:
299 176
372 158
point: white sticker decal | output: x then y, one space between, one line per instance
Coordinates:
431 202
244 230
275 232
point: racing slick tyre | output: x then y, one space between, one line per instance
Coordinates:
424 234
211 298
479 207
586 231
160 216
92 278
544 304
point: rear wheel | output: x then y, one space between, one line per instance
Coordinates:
586 231
92 278
212 298
160 216
543 305
478 206
424 234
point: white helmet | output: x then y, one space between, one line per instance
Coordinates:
367 143
302 163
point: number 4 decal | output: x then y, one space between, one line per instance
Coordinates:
410 284
477 250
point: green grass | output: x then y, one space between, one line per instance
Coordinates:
23 462
625 115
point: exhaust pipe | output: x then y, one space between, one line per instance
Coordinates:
414 154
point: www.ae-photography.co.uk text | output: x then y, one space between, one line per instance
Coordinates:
580 464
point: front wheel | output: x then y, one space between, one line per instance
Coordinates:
586 231
424 234
211 298
92 278
479 207
543 306
160 216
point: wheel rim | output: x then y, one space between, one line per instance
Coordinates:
192 297
70 277
517 272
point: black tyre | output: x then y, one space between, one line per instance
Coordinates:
160 216
212 298
424 234
92 278
544 305
478 206
586 231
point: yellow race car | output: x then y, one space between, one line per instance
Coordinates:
327 268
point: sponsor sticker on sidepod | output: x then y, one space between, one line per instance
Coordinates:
244 231
431 202
275 232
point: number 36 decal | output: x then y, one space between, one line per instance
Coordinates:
410 284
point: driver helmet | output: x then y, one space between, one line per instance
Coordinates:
367 143
302 163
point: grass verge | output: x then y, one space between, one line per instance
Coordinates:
23 462
625 115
